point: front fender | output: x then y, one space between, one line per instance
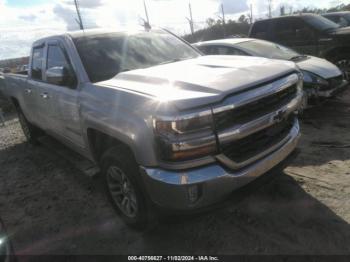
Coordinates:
123 116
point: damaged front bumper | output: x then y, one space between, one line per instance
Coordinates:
332 90
317 92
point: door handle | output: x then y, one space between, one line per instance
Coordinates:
44 96
28 90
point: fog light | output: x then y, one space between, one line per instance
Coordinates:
194 193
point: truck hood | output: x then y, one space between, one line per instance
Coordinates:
320 67
200 81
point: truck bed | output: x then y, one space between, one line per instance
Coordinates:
13 83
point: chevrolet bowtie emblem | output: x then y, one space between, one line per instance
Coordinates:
279 117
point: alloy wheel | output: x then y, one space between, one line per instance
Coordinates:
122 191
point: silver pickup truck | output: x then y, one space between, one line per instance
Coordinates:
167 126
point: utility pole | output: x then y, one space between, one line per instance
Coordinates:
223 19
190 20
282 11
146 11
223 14
270 8
79 20
251 14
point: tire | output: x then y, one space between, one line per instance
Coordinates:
343 62
124 187
31 132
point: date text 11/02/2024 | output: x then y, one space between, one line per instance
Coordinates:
173 258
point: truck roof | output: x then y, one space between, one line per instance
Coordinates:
92 32
287 16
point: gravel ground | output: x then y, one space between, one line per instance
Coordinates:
50 207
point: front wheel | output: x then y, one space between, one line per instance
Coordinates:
124 187
344 65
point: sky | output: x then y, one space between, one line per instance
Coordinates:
23 21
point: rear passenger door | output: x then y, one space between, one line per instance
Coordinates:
34 87
295 33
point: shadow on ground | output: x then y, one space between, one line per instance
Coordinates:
325 134
51 208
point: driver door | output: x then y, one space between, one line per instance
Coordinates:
63 108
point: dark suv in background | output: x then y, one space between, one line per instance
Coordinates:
309 34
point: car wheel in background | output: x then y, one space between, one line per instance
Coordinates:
344 65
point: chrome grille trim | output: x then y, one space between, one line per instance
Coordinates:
239 132
236 166
258 93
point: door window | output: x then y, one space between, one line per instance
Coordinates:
260 30
37 63
303 32
56 57
292 30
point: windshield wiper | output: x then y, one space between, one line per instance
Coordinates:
170 61
298 57
176 60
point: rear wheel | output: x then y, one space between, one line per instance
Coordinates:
31 132
124 187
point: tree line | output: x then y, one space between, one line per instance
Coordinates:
217 29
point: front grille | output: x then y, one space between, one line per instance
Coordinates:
333 83
253 145
254 110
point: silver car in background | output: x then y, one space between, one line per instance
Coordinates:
322 79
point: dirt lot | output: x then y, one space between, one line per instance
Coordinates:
49 207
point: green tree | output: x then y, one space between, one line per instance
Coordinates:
243 19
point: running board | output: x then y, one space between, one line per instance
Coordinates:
82 164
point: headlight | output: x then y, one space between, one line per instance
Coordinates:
310 78
185 137
185 124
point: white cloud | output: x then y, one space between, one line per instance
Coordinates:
19 27
234 7
86 3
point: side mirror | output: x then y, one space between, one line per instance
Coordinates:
59 75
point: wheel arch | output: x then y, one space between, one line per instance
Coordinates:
15 102
99 142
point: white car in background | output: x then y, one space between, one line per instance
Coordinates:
322 79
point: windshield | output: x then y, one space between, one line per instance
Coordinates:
347 18
320 23
104 56
267 49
